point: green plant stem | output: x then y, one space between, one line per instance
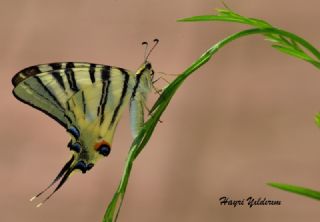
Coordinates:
141 140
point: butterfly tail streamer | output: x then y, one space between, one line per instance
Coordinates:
62 181
62 172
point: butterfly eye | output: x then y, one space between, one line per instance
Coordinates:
74 132
74 146
104 149
148 66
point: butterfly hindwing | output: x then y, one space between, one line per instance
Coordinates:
136 114
138 99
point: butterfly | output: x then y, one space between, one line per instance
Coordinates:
87 100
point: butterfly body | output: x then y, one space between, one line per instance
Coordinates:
88 100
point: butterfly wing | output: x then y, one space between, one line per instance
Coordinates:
138 99
94 110
48 87
137 105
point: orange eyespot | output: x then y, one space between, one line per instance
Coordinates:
102 142
103 148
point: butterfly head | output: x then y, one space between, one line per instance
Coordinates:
146 66
145 74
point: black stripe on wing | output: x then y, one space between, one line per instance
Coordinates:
138 78
84 103
70 76
92 72
123 94
56 74
105 76
46 89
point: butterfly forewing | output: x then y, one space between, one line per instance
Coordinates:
49 87
101 104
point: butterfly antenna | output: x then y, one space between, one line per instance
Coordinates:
60 174
62 181
156 41
145 49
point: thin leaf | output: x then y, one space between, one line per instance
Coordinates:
293 52
284 39
296 46
227 17
297 190
209 18
317 119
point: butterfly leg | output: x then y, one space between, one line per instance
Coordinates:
159 91
168 74
149 112
161 79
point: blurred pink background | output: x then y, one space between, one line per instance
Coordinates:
244 119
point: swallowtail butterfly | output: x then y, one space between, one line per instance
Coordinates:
87 100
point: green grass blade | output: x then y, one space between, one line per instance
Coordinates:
293 52
141 140
317 119
161 104
297 190
291 40
227 16
286 42
210 18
